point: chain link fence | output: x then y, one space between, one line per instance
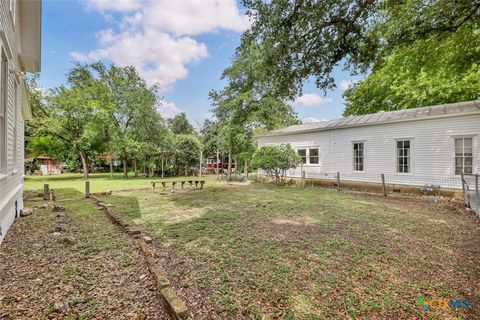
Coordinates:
471 192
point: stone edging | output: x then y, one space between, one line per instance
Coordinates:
176 306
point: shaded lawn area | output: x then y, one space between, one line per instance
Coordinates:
99 182
98 274
261 251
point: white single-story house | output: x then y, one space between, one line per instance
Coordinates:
417 147
20 27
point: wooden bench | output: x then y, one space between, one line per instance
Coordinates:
182 183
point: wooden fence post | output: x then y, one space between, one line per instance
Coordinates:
477 196
383 185
153 186
87 189
338 181
46 192
303 179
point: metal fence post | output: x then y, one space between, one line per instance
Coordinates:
463 189
303 178
338 181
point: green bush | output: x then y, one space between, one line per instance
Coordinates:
276 160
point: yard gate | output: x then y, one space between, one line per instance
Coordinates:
471 191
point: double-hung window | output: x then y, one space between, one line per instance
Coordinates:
313 156
358 156
3 111
463 155
403 156
303 154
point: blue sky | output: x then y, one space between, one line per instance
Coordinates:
182 45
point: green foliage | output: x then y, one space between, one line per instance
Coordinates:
276 160
187 150
47 146
307 39
426 72
180 125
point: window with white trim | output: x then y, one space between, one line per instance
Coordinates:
403 156
3 111
303 154
463 155
358 156
313 156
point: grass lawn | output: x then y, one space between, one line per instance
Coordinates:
261 252
73 264
98 182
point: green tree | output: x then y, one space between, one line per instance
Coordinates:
306 39
128 105
71 118
425 72
276 160
187 151
180 125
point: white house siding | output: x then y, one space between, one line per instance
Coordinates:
432 150
11 181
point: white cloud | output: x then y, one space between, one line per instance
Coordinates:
168 109
310 100
312 120
112 5
345 84
156 36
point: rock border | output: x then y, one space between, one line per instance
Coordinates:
176 307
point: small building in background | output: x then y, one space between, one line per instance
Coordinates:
20 29
47 166
412 149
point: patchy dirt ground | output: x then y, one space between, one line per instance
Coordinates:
265 252
73 264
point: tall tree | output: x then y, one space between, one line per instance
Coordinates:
307 38
127 102
72 118
180 125
425 72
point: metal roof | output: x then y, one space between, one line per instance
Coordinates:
444 110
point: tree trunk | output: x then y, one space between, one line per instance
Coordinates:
135 169
125 168
200 166
111 167
162 168
229 166
217 170
145 167
246 169
84 164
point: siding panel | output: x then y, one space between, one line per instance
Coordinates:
432 150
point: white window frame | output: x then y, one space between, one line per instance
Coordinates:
409 157
473 137
306 154
318 156
354 156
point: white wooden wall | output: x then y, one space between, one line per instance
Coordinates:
11 181
432 150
